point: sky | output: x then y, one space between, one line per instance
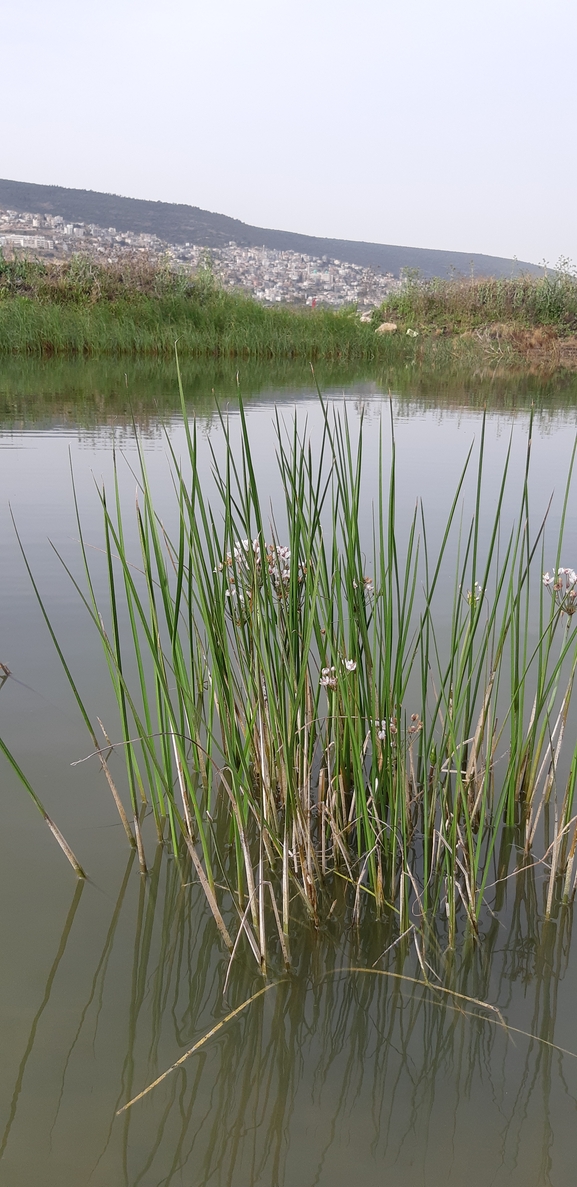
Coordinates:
430 123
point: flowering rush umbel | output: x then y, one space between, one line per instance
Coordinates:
389 728
385 728
248 562
278 559
475 594
328 676
240 557
367 586
562 586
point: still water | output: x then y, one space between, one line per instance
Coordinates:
345 1072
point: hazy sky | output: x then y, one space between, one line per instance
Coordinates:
430 123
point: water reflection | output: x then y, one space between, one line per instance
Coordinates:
37 1017
87 393
332 1076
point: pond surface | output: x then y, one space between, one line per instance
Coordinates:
346 1071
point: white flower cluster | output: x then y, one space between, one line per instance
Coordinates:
239 557
385 727
239 565
562 586
328 676
247 564
367 586
278 558
241 553
475 594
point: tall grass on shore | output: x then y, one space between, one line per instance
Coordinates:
140 308
460 304
304 716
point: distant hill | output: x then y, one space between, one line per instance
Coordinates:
177 223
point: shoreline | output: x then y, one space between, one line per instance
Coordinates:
138 309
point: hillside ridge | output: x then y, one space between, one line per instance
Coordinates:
181 223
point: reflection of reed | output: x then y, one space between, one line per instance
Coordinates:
326 1059
96 986
537 952
36 1020
343 1039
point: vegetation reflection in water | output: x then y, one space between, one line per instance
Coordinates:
95 393
337 1073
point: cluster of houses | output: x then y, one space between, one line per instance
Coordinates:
270 276
294 278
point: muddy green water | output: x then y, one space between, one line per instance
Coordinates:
335 1076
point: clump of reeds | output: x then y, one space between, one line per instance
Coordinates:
299 717
467 303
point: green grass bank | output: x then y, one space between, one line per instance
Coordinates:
82 308
527 318
138 308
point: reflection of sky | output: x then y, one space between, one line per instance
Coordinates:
431 449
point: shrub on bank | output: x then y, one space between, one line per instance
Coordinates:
462 304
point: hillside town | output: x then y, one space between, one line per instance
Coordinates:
270 276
